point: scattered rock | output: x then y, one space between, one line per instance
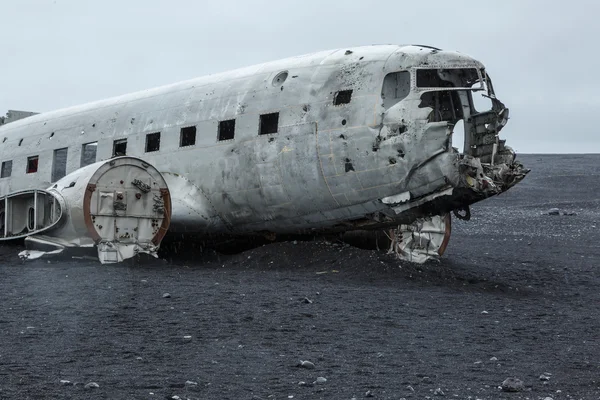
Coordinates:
494 359
512 385
412 389
191 383
569 213
166 295
306 300
91 385
426 380
306 364
320 380
544 377
439 392
65 382
187 337
554 211
484 312
548 398
175 397
369 394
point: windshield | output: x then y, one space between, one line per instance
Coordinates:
450 78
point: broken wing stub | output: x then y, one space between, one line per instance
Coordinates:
121 206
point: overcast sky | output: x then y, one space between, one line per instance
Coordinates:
543 56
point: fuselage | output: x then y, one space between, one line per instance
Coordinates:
309 142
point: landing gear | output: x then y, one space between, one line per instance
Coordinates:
424 239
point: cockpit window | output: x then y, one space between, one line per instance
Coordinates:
456 78
396 87
481 101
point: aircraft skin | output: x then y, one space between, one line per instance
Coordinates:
377 156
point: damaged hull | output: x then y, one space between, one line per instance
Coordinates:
341 140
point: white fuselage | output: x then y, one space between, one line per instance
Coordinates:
326 165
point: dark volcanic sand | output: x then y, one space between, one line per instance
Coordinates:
515 284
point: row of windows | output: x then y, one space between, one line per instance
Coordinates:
59 162
268 124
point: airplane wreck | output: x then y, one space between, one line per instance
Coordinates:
335 141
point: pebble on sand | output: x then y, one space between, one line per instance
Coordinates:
320 379
512 385
306 364
167 295
439 392
91 385
554 211
544 377
65 382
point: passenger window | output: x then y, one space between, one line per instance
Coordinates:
342 97
6 169
268 123
226 130
119 147
59 164
88 153
187 137
32 164
152 142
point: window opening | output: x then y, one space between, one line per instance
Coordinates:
32 164
6 169
226 129
268 123
187 136
88 153
342 97
31 219
152 142
396 86
59 164
481 99
458 136
119 147
446 78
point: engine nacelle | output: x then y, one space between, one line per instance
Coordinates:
121 205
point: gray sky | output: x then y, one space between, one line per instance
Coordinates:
542 55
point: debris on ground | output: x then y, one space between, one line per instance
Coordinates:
512 385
